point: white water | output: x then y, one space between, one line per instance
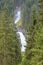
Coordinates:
23 41
18 16
22 37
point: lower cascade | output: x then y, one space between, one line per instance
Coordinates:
22 40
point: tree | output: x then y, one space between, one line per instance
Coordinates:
34 48
10 52
30 41
26 13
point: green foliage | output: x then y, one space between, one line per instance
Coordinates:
19 23
10 53
34 48
32 21
26 12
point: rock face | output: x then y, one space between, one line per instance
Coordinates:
20 29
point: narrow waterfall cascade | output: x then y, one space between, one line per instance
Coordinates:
23 41
17 15
21 35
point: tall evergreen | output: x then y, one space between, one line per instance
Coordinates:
10 53
30 41
26 13
34 48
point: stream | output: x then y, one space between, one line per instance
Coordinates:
20 33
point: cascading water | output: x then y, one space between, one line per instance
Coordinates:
23 41
22 37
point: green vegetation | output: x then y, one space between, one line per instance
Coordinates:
34 48
10 52
19 23
32 22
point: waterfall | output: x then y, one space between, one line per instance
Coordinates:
22 37
23 41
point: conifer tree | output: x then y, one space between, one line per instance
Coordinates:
30 41
34 48
10 53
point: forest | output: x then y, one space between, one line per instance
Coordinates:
31 25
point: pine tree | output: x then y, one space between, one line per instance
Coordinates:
26 13
30 44
10 52
34 48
